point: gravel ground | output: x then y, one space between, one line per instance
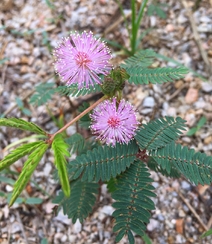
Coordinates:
28 31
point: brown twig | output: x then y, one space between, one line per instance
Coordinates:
173 95
193 211
116 23
196 36
209 223
22 227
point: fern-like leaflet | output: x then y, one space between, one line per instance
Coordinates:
80 203
76 143
141 76
45 91
103 163
29 167
160 132
60 149
22 125
196 166
141 59
133 203
174 172
18 153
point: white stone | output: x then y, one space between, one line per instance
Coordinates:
63 218
149 102
205 19
107 210
9 188
77 227
181 19
153 224
185 185
47 169
207 86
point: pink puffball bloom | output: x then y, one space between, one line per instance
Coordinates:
81 58
114 122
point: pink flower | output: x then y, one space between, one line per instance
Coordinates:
80 58
114 123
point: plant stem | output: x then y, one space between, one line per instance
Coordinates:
51 137
136 23
133 31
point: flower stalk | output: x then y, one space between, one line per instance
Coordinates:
52 136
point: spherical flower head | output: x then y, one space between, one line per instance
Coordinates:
81 58
114 122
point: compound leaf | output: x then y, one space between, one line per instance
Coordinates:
76 142
140 76
196 166
74 91
22 125
160 132
133 203
18 153
79 204
174 172
60 149
102 163
141 59
29 166
43 93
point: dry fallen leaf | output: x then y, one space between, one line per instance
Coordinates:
201 189
191 95
179 225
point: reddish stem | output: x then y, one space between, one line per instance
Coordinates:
51 136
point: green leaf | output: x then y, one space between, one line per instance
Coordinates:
22 125
18 200
160 12
80 203
34 200
197 167
2 194
192 131
160 132
18 153
162 57
26 111
76 142
4 60
103 163
7 180
19 102
140 60
60 149
111 185
29 167
43 93
207 233
85 120
74 91
146 239
44 241
201 122
133 203
140 76
151 10
153 165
